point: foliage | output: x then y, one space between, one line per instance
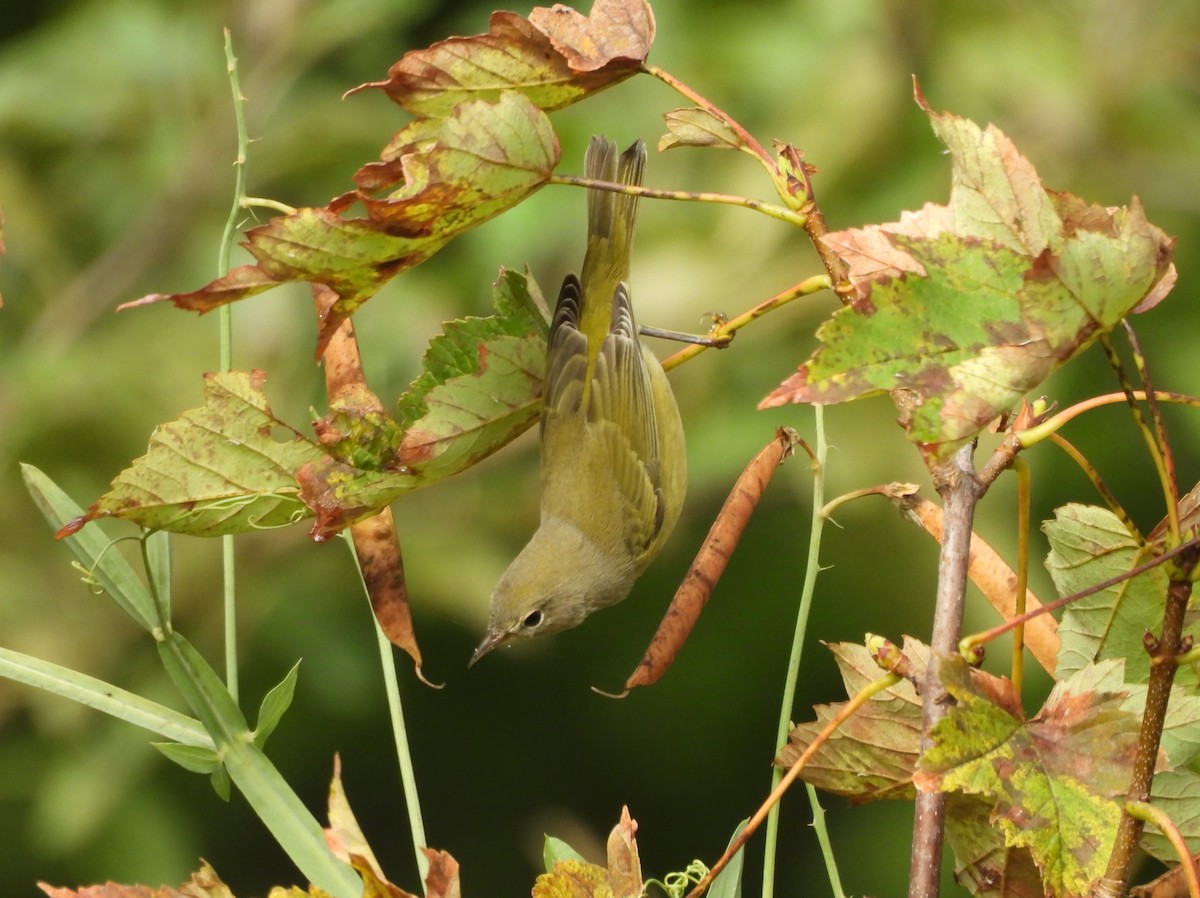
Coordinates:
957 311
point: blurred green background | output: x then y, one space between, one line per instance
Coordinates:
116 144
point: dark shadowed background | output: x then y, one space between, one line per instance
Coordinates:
116 150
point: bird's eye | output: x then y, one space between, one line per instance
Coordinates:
532 619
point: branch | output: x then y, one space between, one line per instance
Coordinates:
956 483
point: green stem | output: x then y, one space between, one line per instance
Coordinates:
788 700
225 324
730 326
692 196
408 777
1159 453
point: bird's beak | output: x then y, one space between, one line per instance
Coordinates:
493 639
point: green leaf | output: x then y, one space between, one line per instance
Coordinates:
984 864
93 548
512 55
274 704
275 803
1180 740
1089 545
453 174
696 127
104 697
728 883
959 310
190 757
1057 781
1176 792
158 569
481 385
555 850
226 467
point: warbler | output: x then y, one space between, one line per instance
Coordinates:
613 461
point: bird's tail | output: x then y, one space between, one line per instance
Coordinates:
611 216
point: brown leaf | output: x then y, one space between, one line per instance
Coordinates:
616 31
624 866
697 586
512 55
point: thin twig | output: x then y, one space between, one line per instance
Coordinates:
956 483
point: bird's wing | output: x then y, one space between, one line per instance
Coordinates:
621 405
567 356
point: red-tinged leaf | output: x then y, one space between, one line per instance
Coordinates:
238 283
337 495
442 879
696 127
962 309
481 385
983 863
874 753
204 884
615 32
1057 781
487 157
513 55
483 158
377 548
225 467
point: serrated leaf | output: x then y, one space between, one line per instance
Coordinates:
961 309
1089 545
483 157
555 850
481 385
192 758
1180 740
1057 781
696 127
512 55
225 467
274 705
873 754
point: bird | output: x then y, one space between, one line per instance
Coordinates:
613 456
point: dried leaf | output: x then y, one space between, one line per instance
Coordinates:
873 754
573 879
615 32
1057 781
204 884
961 309
624 867
718 547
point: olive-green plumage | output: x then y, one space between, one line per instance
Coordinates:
614 467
